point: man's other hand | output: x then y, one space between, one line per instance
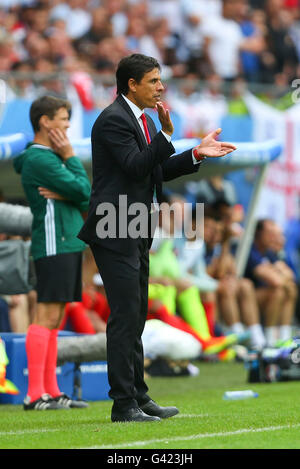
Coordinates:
165 119
48 194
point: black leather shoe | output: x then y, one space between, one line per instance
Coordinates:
134 414
151 408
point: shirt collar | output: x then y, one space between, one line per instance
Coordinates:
39 145
135 109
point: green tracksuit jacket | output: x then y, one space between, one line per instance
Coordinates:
55 223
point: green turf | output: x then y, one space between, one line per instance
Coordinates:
205 420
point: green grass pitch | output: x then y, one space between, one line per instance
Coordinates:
205 421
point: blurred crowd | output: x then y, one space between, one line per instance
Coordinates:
227 40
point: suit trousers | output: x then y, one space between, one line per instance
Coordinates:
125 279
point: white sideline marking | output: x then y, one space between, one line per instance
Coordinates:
189 416
28 432
194 437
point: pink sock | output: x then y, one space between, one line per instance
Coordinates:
50 379
37 339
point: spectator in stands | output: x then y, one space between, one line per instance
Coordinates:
4 308
36 46
168 9
116 10
138 39
216 189
48 81
111 49
105 88
159 32
171 282
19 313
280 43
101 28
49 163
274 280
236 299
21 87
16 311
38 21
76 15
224 39
219 195
202 109
195 13
212 103
90 315
292 246
190 43
8 53
60 44
294 29
185 100
250 61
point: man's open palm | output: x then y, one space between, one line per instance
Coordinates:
211 148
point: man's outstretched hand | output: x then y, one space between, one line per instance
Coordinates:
211 148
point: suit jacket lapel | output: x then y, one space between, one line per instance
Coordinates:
156 175
141 138
151 127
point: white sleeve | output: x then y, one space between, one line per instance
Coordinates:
168 137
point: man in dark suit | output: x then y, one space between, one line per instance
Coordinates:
130 161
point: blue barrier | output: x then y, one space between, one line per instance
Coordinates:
248 154
92 375
16 116
12 145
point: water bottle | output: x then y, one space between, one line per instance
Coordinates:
238 395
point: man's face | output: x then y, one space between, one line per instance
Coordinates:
234 8
272 237
275 237
226 212
212 231
60 120
148 91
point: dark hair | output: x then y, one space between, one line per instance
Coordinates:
46 106
133 66
214 209
260 226
17 65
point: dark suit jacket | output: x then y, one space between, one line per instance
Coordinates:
123 163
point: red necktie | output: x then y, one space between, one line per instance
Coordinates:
148 138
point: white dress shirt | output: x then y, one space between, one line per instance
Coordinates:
138 112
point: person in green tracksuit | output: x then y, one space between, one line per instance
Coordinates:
57 189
